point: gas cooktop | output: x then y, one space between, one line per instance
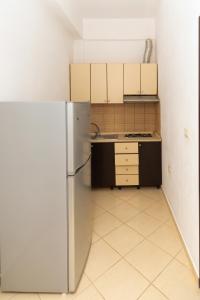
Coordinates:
134 135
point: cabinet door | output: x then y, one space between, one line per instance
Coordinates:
150 170
131 79
115 83
149 81
103 165
98 83
80 82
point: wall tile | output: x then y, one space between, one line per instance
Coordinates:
126 117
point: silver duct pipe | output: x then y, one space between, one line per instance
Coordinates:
148 51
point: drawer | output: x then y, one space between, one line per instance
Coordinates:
127 180
126 159
126 147
126 170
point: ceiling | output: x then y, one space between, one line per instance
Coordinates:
117 8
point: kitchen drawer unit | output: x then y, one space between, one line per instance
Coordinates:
122 180
126 164
126 148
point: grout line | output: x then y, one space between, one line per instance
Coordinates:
144 291
137 270
110 267
98 291
153 282
155 287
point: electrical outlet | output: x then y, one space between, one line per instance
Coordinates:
169 169
186 133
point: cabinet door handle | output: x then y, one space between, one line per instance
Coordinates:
127 159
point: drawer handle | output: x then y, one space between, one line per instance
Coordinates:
127 169
126 159
126 180
126 148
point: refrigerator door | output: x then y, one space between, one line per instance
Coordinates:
80 223
33 205
79 147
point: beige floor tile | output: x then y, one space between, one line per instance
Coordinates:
97 211
183 258
101 258
99 192
95 237
90 294
160 212
148 259
84 283
152 294
121 282
6 296
107 201
26 297
140 201
124 212
154 193
55 297
105 223
144 224
177 283
125 193
123 239
167 238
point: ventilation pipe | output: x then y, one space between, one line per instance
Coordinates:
148 51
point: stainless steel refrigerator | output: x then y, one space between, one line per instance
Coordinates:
45 208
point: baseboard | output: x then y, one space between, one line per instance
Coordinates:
195 271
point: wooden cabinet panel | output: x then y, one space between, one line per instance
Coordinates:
131 79
103 165
150 166
127 170
80 82
126 159
98 83
126 147
149 81
115 83
127 180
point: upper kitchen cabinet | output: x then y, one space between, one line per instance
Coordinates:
132 79
149 81
80 82
115 74
98 83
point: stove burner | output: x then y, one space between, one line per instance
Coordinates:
133 135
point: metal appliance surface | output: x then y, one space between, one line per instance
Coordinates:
45 221
138 135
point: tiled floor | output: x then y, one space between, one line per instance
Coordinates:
136 252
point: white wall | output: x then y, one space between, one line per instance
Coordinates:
72 11
118 29
114 40
35 51
177 39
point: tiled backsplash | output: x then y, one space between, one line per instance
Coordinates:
126 117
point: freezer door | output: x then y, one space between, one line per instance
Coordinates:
80 224
79 147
